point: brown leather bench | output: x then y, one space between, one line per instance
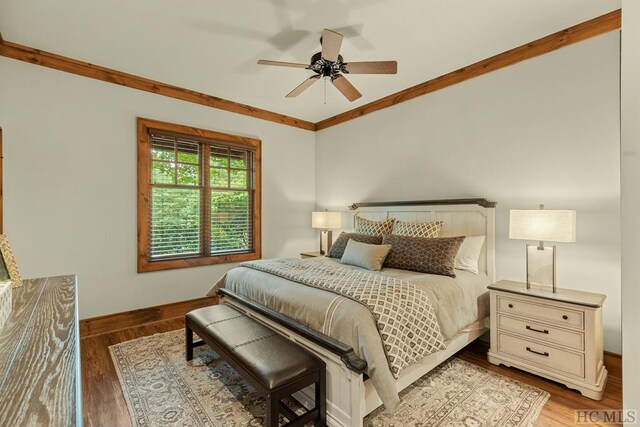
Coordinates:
274 365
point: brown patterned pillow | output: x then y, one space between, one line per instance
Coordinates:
417 229
373 228
435 256
337 249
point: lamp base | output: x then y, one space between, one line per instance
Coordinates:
541 266
326 240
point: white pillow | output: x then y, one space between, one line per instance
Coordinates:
364 255
469 253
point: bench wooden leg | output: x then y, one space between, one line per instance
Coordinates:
188 343
321 399
273 410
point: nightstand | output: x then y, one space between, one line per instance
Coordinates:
557 336
304 255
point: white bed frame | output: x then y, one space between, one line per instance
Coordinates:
349 396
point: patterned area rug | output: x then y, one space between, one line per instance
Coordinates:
162 389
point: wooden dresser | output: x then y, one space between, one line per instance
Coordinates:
40 356
558 336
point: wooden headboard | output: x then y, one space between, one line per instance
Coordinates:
461 217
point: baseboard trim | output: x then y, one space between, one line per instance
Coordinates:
127 319
613 363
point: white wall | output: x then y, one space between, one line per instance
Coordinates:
545 130
70 184
542 131
630 201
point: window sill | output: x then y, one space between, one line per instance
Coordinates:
144 265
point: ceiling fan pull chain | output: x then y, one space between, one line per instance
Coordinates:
325 91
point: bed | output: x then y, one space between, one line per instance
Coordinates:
343 332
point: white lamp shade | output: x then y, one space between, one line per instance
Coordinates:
544 225
326 220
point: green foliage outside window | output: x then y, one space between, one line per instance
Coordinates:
177 212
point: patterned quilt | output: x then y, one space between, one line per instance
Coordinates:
403 314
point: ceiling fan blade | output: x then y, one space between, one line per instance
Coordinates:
303 86
347 89
282 64
373 67
331 42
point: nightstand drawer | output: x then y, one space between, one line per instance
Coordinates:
552 358
546 313
542 332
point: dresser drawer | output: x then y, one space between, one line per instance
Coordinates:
546 313
542 332
552 358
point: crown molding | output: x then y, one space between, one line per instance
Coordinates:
591 28
583 31
97 72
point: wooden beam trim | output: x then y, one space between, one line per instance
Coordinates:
97 72
588 29
128 319
594 27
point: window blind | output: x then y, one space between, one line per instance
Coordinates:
201 198
231 200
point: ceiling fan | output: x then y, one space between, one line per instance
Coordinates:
331 65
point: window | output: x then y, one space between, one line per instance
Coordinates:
198 197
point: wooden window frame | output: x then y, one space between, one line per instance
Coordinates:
145 263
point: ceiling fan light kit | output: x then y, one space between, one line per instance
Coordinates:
331 65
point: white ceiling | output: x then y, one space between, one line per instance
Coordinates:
212 46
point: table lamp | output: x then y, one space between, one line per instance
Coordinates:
326 220
542 225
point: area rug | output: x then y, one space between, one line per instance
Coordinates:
162 389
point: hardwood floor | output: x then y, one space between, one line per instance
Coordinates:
102 398
104 403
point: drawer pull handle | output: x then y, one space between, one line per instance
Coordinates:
545 354
510 305
565 317
542 331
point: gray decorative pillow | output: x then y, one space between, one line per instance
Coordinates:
435 256
373 228
417 229
337 249
364 255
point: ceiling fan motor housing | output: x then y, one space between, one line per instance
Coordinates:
327 68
